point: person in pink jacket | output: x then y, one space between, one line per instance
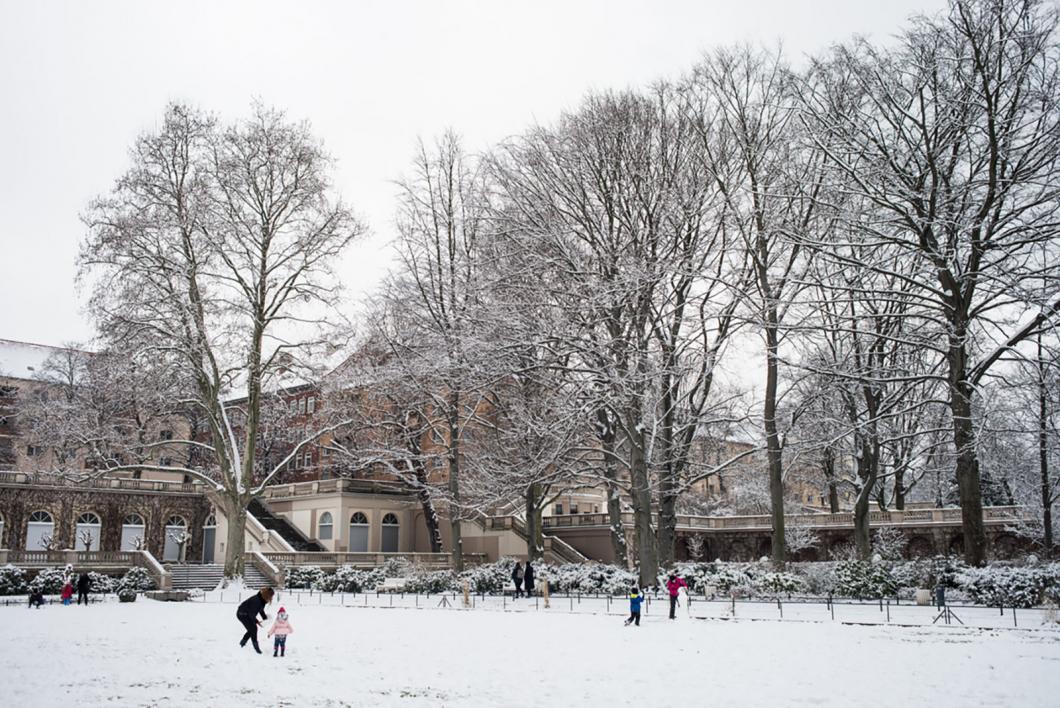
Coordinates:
280 628
674 585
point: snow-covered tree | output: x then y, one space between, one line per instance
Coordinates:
210 261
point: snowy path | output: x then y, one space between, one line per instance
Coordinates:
186 654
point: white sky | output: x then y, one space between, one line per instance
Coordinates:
80 80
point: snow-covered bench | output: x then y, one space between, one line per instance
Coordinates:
392 585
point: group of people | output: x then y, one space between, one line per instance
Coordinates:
523 576
636 598
247 614
84 586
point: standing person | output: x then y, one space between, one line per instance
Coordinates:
635 600
517 578
84 585
674 585
528 578
281 628
247 615
67 593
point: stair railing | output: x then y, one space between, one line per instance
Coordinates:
163 578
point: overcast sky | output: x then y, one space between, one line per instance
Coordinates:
80 80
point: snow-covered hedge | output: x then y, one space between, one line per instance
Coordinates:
50 581
489 577
1019 587
12 580
587 578
739 579
303 577
350 579
862 579
136 579
101 583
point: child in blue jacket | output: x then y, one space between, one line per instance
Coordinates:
635 600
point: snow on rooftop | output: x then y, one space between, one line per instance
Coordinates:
22 360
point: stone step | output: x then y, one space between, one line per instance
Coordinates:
207 577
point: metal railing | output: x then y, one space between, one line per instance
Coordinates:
910 517
368 560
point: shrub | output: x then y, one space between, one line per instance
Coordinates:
588 578
350 579
50 581
12 580
303 577
864 580
1019 587
126 594
438 581
136 579
102 583
492 577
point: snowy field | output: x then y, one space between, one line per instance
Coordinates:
187 654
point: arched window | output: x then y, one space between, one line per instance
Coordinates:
211 520
132 532
391 529
358 533
39 531
86 532
176 528
325 526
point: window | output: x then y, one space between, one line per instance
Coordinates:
39 531
165 461
310 404
391 530
86 532
325 526
176 528
165 435
294 405
573 508
558 510
358 533
303 404
132 532
32 450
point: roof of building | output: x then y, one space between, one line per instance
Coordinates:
22 360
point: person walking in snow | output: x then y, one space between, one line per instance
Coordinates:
84 585
247 615
67 593
280 628
635 600
674 585
517 578
528 578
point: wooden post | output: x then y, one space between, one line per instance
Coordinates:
467 595
544 592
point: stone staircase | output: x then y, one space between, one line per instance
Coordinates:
207 576
282 527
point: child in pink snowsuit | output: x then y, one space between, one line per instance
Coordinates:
281 628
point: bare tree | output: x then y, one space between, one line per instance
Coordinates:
211 259
955 140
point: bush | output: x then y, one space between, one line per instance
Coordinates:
303 577
127 594
435 582
492 577
588 578
50 581
1018 587
350 579
12 580
102 583
864 580
136 579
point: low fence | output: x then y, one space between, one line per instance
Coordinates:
324 559
850 612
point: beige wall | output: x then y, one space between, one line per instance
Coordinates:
305 512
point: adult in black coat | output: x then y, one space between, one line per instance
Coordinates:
528 578
247 614
84 584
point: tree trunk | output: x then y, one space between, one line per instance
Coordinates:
641 488
534 537
1043 451
968 483
454 482
235 543
606 434
774 453
828 464
867 475
430 518
899 488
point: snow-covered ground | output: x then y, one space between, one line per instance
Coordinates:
187 654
